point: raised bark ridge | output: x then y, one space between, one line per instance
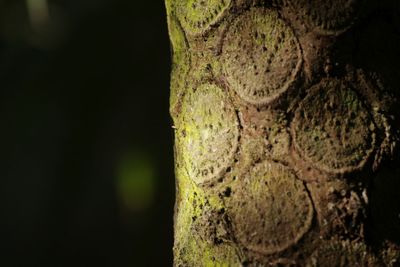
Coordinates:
286 132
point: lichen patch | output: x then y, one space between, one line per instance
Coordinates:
181 62
198 16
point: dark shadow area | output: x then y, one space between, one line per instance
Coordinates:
385 206
377 52
86 139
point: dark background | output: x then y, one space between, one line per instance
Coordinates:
86 141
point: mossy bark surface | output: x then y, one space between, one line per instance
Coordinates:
286 132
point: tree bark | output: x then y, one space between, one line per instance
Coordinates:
286 132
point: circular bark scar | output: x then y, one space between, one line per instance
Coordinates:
327 17
209 133
335 253
271 209
198 16
332 129
261 56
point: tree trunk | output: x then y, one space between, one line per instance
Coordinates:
286 132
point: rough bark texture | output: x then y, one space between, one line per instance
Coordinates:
286 126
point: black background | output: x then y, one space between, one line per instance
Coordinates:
78 93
